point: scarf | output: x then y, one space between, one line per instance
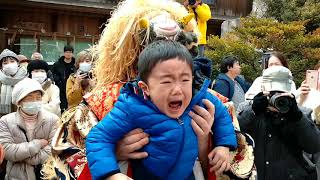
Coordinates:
30 122
7 83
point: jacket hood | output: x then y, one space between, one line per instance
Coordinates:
23 88
223 76
202 64
8 53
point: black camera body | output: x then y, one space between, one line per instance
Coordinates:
281 102
192 2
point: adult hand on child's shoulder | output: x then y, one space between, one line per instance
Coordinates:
219 160
202 119
133 141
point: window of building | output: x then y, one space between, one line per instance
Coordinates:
26 46
51 49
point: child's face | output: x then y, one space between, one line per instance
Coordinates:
170 86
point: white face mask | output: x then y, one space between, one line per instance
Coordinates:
31 108
39 76
85 67
10 68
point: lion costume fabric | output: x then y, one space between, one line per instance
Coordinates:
133 25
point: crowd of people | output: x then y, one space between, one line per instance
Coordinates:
142 105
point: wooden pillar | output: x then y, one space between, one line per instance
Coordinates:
3 40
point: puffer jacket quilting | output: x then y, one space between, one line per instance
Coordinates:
172 148
20 154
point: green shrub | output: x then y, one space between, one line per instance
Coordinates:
301 49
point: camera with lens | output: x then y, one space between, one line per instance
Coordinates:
192 2
281 102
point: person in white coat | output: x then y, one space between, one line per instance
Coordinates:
275 59
26 134
38 70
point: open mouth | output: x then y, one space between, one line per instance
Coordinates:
175 105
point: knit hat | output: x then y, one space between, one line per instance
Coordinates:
8 53
23 88
37 64
277 78
68 48
23 58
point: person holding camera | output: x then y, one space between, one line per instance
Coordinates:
202 14
280 129
80 82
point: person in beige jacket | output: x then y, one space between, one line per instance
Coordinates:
38 70
81 82
26 134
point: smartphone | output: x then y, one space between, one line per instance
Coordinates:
312 78
85 74
88 75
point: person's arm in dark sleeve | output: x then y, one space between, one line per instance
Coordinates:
56 75
306 134
247 119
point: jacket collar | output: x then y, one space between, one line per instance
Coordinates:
223 76
61 60
22 124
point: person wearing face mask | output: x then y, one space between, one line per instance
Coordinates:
38 70
10 74
281 130
26 133
81 81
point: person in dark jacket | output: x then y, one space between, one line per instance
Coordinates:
61 71
280 129
229 83
159 103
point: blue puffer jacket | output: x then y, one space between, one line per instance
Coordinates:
173 146
225 86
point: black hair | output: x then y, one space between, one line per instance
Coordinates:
68 48
160 51
8 58
228 62
281 57
37 64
